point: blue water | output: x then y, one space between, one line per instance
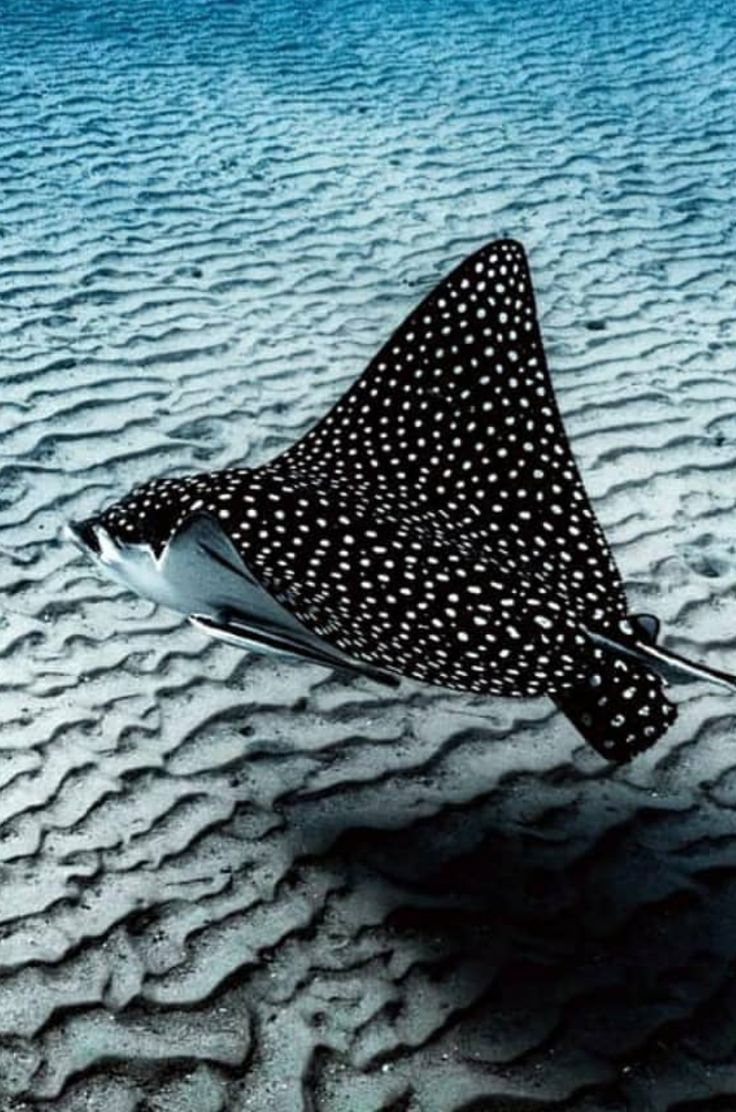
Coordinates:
584 117
234 884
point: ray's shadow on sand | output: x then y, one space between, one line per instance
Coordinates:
611 940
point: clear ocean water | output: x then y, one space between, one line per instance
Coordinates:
230 883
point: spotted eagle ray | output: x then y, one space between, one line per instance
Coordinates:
433 525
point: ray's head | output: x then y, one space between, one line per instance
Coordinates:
129 540
147 517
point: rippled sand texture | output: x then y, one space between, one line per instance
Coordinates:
229 883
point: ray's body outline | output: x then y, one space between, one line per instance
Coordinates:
433 524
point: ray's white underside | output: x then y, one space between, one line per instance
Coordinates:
199 573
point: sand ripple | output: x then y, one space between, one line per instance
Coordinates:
234 884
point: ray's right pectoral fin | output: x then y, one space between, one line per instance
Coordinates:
620 708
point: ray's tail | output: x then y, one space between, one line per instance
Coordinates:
667 662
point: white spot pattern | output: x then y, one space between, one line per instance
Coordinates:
434 523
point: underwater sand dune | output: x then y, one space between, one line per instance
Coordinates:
234 883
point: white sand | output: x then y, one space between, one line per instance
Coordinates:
234 884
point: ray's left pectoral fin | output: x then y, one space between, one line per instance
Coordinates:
620 708
282 641
224 598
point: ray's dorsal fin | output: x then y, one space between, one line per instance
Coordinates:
227 601
647 626
457 413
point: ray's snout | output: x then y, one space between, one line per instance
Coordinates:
84 535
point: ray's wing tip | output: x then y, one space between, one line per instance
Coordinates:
503 250
504 243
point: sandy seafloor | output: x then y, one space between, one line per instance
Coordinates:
229 883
